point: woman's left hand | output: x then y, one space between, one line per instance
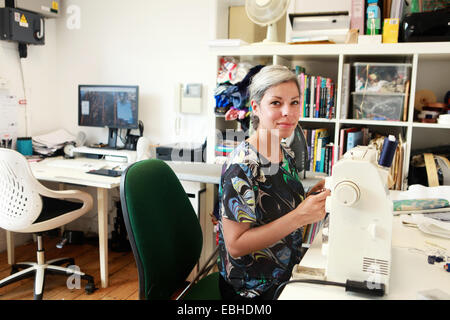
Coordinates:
317 187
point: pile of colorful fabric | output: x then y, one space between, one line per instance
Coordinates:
231 93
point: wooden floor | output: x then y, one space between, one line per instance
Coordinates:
123 280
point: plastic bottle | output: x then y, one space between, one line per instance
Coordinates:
373 17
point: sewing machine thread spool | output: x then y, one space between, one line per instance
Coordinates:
388 151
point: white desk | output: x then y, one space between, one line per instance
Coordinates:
210 173
196 171
43 170
187 171
410 271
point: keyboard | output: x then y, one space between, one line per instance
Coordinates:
106 172
75 164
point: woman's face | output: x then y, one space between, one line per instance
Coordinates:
279 110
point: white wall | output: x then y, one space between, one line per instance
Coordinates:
39 75
153 44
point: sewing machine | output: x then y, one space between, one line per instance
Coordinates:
360 220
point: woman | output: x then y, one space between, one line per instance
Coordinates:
262 201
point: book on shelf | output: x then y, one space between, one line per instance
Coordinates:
318 135
397 167
345 90
354 139
318 162
307 133
321 153
401 162
320 150
318 91
330 150
317 95
312 92
301 82
329 105
405 101
310 232
311 154
343 134
366 136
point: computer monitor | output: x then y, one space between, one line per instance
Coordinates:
115 107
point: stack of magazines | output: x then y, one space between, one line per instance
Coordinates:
49 144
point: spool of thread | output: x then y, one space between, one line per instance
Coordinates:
388 151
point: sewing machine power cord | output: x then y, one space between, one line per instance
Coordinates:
370 288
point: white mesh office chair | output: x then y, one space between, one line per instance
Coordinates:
29 207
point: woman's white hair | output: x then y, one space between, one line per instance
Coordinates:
268 77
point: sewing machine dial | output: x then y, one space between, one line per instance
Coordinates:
347 193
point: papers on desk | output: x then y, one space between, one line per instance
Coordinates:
427 225
49 143
432 221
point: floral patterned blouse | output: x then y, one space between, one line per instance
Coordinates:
256 191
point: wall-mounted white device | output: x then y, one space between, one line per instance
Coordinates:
188 98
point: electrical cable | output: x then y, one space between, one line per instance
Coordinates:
24 96
363 287
124 140
312 281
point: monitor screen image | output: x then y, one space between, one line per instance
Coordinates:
108 106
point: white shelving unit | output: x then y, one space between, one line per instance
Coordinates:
430 70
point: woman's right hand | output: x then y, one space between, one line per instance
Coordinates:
312 209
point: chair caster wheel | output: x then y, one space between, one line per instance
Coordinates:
90 288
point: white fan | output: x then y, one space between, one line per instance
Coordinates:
267 13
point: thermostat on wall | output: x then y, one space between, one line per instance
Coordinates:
192 90
189 98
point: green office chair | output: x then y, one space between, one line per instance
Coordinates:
165 234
